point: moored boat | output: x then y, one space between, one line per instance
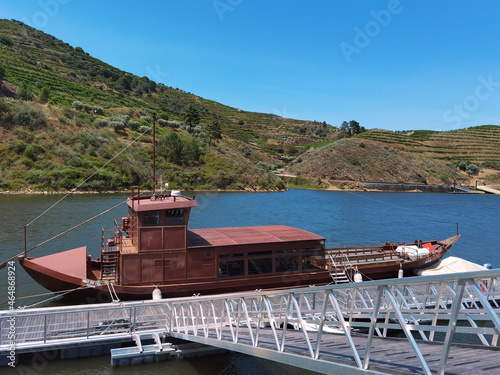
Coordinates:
152 250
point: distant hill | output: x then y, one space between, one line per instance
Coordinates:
348 162
70 120
478 144
420 157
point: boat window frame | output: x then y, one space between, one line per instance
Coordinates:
231 261
309 254
148 214
260 259
174 216
293 257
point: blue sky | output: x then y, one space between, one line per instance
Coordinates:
394 64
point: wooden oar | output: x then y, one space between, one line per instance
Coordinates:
2 265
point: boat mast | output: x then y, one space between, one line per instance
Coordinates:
154 154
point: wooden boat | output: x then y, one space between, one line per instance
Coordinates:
153 247
152 252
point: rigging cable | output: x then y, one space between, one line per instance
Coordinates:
3 264
88 178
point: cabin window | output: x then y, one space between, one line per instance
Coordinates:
313 259
231 265
151 218
287 261
174 216
260 262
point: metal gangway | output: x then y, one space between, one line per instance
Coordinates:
420 325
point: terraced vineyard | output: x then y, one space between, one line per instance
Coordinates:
480 144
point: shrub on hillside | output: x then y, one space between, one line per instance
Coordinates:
174 124
4 107
30 116
145 129
117 125
120 118
162 123
77 105
98 110
133 124
17 146
100 123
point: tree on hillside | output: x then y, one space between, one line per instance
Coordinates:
24 92
4 108
351 128
214 131
354 126
171 148
345 129
191 115
2 74
44 94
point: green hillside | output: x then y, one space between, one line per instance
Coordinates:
69 120
65 115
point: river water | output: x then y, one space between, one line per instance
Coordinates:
341 217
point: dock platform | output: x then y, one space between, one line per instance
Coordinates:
445 324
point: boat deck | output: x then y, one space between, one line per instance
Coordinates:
127 247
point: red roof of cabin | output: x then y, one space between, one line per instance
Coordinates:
247 235
161 203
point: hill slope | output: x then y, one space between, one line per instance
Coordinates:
350 160
479 144
67 114
70 120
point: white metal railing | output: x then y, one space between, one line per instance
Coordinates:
431 308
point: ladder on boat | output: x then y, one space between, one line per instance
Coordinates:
110 256
109 266
337 269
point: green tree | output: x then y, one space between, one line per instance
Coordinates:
44 94
191 150
24 92
4 107
191 115
214 131
170 148
345 128
2 74
354 126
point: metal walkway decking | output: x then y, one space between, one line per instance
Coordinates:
339 328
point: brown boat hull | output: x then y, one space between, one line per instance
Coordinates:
93 291
81 284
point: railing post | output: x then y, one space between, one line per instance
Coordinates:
45 329
452 324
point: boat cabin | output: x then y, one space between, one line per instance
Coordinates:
154 246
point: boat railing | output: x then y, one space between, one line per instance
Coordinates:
337 264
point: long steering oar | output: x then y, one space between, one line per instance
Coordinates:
2 265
